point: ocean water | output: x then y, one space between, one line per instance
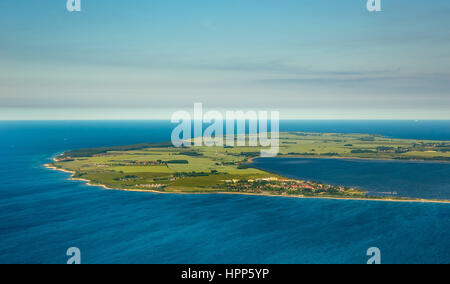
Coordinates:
42 213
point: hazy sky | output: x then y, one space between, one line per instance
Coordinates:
144 58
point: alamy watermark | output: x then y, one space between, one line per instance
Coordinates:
74 254
73 5
374 5
375 254
235 132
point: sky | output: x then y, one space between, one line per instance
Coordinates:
144 59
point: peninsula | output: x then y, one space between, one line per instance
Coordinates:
163 168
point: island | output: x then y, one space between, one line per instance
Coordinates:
163 168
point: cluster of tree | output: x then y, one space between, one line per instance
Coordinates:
250 154
195 174
177 162
329 154
191 153
385 149
401 150
362 151
301 154
367 139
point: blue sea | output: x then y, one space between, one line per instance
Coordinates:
42 213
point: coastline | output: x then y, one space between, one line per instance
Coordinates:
89 183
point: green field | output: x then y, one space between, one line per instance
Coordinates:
163 168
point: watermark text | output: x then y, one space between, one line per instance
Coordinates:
73 5
227 130
374 5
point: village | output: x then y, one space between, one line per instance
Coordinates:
286 186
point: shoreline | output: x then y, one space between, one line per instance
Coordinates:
88 183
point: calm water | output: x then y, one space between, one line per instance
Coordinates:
390 178
42 213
